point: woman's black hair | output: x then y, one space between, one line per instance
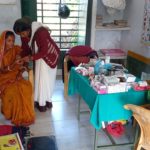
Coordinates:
9 33
20 27
22 24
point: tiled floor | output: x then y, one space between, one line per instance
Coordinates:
62 122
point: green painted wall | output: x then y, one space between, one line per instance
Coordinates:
29 8
136 67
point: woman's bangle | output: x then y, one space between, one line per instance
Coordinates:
8 68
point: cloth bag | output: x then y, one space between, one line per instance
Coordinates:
63 11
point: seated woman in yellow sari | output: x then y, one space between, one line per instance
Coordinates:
15 91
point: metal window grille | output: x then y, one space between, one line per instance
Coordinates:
64 31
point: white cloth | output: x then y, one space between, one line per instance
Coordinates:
44 75
116 4
44 82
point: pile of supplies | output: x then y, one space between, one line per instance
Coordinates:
108 77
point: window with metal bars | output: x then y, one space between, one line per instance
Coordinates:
65 32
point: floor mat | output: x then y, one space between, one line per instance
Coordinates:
42 143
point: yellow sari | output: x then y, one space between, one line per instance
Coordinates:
15 93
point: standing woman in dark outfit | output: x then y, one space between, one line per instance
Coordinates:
45 54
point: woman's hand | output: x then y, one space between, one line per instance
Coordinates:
19 75
27 58
24 68
19 62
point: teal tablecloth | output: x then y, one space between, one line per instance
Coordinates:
104 107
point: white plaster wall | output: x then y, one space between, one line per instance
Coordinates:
106 38
131 40
8 14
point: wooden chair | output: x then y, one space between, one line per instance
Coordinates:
142 116
30 77
66 76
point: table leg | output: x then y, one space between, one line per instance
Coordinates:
79 103
79 111
95 139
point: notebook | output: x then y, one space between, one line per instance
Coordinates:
11 142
